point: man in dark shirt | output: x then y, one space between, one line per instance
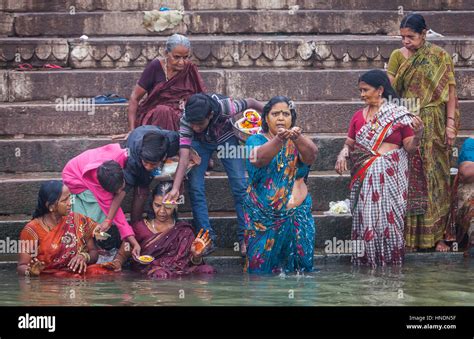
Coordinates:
148 147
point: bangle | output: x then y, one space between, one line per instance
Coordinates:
196 263
86 256
452 118
452 129
108 221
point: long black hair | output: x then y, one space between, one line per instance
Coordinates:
378 78
273 101
415 22
160 190
49 194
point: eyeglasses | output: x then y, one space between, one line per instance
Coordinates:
277 113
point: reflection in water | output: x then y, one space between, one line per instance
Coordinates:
446 282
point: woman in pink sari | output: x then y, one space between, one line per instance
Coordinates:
380 137
169 82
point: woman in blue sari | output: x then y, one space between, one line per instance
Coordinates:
280 229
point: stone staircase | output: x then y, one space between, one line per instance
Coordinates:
313 53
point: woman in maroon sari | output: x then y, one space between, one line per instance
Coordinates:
169 82
171 242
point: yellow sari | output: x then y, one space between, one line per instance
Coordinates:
425 78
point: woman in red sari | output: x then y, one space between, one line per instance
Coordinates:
59 242
380 137
169 82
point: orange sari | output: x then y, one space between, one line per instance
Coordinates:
57 247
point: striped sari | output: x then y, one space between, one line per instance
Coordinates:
426 77
379 191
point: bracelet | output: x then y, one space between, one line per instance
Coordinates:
86 256
27 272
452 118
196 263
108 221
452 129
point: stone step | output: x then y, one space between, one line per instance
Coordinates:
225 225
20 191
232 22
262 84
313 117
144 5
323 51
51 154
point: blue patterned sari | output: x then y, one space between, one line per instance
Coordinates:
278 239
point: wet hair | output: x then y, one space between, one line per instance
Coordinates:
154 147
49 194
378 78
199 107
110 176
160 190
415 22
268 107
177 40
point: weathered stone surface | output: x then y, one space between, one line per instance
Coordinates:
225 226
304 85
313 117
245 21
6 24
105 120
262 84
3 86
53 85
36 52
407 5
43 155
260 51
20 191
91 23
51 155
86 5
143 5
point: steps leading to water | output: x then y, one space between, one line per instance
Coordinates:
313 53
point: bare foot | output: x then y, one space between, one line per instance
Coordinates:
441 246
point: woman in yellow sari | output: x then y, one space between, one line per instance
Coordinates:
423 75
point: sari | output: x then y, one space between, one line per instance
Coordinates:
277 239
57 247
425 77
171 250
164 104
379 191
461 223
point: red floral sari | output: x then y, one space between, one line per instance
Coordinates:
379 190
164 105
57 247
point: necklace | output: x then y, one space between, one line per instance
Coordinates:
374 121
152 224
45 226
280 160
